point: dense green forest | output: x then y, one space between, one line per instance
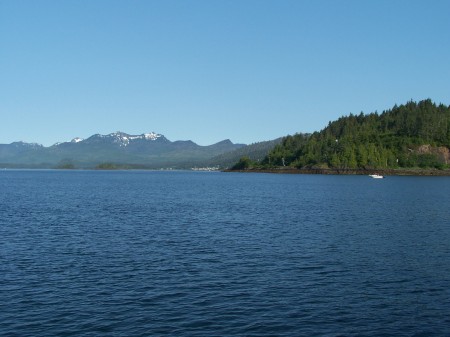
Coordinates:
406 136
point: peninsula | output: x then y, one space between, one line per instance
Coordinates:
410 139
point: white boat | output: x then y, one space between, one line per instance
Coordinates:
376 176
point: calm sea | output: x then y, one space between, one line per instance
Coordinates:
94 253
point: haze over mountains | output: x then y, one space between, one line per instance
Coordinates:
119 149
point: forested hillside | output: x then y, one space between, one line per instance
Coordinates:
406 136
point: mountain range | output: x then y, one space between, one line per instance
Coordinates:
118 149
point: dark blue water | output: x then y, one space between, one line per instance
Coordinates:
87 253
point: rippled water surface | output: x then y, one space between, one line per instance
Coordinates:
88 253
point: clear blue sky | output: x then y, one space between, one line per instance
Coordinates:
247 70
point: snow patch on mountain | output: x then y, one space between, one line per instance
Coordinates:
124 139
151 136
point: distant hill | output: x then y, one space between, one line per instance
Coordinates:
256 152
115 150
416 134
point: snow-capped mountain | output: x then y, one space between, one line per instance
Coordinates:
75 140
147 150
124 139
120 138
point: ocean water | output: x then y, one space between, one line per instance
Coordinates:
142 253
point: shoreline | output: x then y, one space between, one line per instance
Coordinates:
384 172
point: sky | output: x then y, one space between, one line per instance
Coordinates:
209 70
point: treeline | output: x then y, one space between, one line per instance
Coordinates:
406 136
